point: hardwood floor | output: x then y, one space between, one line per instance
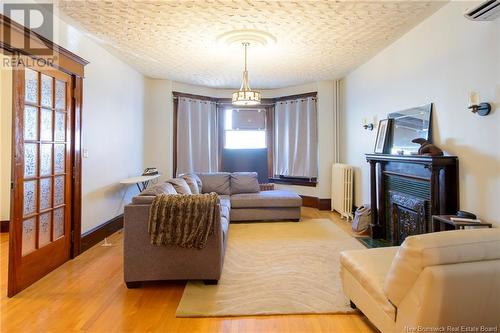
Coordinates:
87 294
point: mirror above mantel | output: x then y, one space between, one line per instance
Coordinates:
408 125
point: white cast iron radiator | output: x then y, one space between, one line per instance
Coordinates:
342 175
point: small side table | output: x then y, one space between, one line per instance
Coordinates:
443 222
141 181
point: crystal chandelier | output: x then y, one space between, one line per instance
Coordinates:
246 96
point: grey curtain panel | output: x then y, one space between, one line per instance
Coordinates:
196 136
296 138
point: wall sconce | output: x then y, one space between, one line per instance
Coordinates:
481 109
368 126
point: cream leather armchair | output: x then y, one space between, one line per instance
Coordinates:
444 280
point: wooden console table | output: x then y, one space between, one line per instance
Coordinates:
407 190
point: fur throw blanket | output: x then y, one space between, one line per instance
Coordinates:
183 220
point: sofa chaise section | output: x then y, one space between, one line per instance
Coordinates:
266 206
248 202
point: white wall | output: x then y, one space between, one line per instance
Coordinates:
158 125
441 61
113 103
5 139
325 137
159 120
200 90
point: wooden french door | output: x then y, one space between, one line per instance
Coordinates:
41 210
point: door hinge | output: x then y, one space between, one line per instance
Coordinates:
11 185
73 173
72 236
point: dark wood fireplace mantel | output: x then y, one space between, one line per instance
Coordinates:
407 190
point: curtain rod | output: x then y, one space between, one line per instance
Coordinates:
218 102
196 98
265 102
248 106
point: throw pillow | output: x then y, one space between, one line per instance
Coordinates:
193 181
218 182
163 188
267 187
244 182
180 185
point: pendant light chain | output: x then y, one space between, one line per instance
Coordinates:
245 45
246 96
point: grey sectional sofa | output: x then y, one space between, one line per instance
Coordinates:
146 262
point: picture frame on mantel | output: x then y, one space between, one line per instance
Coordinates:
383 131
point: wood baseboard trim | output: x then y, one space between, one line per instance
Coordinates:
313 202
324 204
309 201
97 234
4 226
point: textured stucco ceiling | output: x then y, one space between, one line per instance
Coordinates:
316 40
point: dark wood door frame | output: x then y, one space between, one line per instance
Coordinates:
68 63
76 162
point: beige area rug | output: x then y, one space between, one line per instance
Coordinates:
275 268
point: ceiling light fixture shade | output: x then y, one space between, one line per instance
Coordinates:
246 96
